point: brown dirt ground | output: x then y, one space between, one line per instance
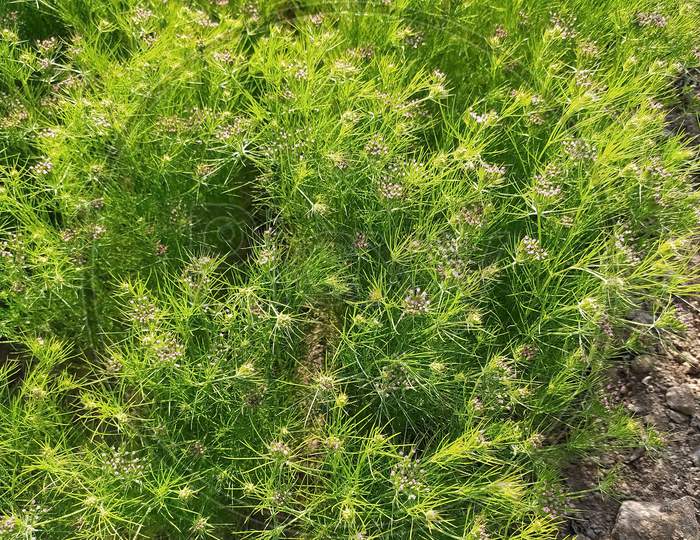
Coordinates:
641 384
667 474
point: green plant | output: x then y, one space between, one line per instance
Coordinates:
297 270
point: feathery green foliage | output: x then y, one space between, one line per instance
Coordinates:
346 270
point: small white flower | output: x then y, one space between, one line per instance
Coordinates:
531 248
416 301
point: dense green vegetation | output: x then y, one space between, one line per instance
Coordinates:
348 270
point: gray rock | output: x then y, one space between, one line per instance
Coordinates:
642 365
677 417
696 457
653 521
682 399
695 422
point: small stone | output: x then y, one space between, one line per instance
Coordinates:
642 365
677 417
679 341
696 457
682 399
690 363
636 408
647 520
606 460
695 422
686 356
634 455
611 373
690 369
642 317
655 419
